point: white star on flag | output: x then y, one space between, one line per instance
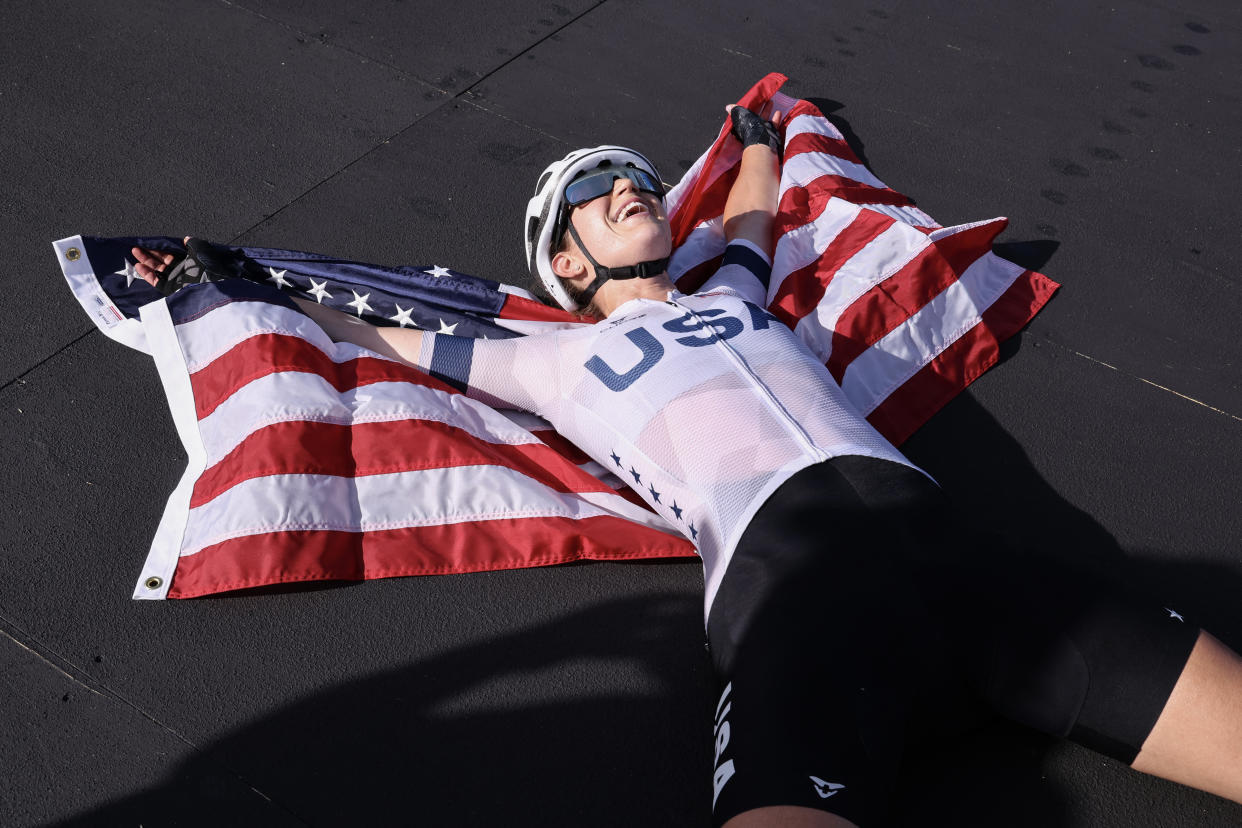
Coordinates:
437 271
1174 614
447 329
317 290
403 316
278 276
128 272
360 302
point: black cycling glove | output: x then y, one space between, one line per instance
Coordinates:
207 262
750 129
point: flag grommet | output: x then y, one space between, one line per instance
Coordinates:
154 582
73 254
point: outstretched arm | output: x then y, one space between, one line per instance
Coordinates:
402 344
751 206
397 343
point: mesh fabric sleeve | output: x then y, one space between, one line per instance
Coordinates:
504 373
744 271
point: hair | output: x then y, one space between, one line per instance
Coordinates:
590 313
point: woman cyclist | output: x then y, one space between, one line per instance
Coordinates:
844 611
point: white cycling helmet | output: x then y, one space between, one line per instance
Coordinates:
547 216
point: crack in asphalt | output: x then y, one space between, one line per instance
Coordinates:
460 95
20 379
84 681
1124 373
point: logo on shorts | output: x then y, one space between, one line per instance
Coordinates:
724 770
825 789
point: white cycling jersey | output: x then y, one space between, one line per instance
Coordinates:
703 404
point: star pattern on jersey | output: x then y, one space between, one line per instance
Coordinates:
129 272
360 303
278 276
447 329
438 272
402 316
676 510
1174 614
319 290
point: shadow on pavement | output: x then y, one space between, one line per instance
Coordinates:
441 742
445 742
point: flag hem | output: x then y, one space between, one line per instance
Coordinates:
165 553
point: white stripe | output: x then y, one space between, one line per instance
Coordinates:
802 245
80 274
876 261
905 214
621 507
674 197
292 396
526 420
432 497
208 336
878 371
527 327
802 169
162 557
516 291
706 241
811 125
533 423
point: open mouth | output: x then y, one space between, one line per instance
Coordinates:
633 208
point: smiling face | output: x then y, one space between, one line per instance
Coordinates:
623 227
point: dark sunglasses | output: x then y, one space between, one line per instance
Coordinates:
595 183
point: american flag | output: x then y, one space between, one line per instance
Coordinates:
313 460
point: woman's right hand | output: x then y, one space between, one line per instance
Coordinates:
151 264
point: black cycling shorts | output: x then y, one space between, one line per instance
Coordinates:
855 613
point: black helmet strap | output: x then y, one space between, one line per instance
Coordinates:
642 270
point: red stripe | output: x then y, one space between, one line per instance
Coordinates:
706 198
303 447
702 205
576 455
562 446
519 307
946 376
804 205
633 497
817 142
803 289
894 300
287 557
265 354
797 207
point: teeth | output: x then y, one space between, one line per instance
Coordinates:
631 209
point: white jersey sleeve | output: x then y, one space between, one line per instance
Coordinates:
519 373
744 272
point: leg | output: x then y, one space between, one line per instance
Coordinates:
815 636
1198 738
1079 658
788 816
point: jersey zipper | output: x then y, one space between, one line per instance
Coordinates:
740 361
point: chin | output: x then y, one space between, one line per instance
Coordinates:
659 240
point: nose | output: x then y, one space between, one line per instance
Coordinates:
621 185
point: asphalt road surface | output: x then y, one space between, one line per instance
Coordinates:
410 132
